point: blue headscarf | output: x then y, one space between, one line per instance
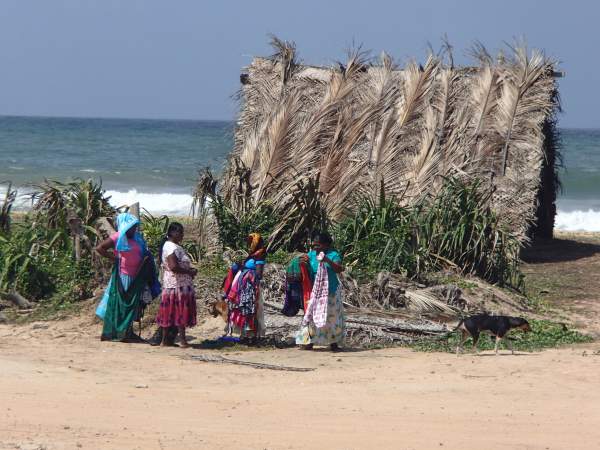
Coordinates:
125 222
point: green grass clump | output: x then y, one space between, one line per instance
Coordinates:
455 228
544 334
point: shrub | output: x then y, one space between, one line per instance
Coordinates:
54 203
154 229
38 264
234 227
456 228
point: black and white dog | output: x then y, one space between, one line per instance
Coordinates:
497 326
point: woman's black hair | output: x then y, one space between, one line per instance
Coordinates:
173 228
323 237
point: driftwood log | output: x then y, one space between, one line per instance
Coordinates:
17 299
223 360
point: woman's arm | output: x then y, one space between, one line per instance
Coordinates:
103 248
259 270
173 265
337 267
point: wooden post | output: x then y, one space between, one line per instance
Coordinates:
106 229
76 231
135 209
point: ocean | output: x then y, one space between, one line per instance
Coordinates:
156 162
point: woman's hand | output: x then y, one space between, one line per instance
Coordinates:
304 258
105 249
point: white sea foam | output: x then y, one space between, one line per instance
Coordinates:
88 170
578 220
22 202
160 203
180 205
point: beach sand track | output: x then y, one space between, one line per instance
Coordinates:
64 389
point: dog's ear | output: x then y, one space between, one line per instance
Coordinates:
212 309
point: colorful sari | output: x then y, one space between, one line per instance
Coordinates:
126 295
324 322
125 302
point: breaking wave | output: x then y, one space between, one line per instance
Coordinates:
160 203
578 220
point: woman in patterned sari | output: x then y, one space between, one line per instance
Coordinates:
323 324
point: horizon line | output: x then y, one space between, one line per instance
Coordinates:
171 119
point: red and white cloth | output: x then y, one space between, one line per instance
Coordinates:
317 307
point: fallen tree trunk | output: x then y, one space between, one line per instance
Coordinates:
17 299
397 326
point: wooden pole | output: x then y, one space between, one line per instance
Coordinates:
76 231
135 209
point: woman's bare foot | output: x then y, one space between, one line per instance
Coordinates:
183 343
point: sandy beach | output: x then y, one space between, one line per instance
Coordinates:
68 390
64 389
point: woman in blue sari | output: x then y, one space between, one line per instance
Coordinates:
133 281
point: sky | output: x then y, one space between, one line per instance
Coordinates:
181 59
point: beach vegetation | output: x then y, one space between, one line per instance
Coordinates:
5 208
454 229
45 256
56 203
154 229
35 263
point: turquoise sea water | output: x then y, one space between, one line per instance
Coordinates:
150 155
156 161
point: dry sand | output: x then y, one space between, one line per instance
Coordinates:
62 388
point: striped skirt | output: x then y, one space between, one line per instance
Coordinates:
177 307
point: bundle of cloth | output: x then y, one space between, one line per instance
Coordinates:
241 291
299 278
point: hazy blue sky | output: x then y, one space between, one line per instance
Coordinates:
182 58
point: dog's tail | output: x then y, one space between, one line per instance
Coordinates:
449 333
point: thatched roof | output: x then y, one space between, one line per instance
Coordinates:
363 125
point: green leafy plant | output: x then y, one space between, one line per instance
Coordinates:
456 229
234 227
55 203
154 229
28 254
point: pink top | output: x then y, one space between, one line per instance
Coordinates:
129 261
172 280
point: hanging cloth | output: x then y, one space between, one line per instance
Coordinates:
317 307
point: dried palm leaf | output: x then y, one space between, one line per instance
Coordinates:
426 302
276 147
